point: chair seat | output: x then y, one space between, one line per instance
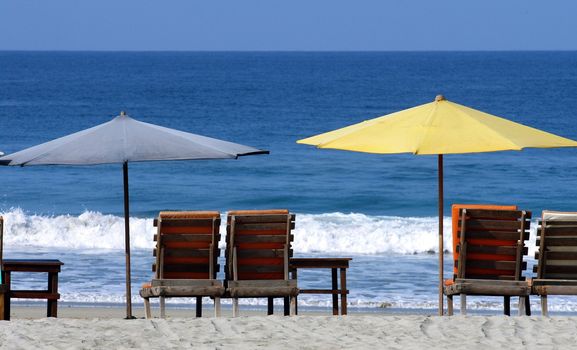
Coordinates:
488 287
262 288
554 287
183 288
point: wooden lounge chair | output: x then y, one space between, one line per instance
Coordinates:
556 256
257 256
491 249
186 259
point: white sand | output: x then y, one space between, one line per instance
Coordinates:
301 332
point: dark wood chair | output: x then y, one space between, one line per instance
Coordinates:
186 259
257 256
490 261
556 256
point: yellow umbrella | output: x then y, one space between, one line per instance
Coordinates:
440 127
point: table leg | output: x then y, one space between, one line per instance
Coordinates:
6 279
335 289
343 291
52 307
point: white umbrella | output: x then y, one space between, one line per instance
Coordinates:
123 140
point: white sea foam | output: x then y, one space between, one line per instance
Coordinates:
88 230
327 233
565 304
363 234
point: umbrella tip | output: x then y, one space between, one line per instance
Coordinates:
440 98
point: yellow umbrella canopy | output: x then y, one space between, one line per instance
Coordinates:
440 127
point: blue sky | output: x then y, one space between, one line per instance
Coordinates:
315 25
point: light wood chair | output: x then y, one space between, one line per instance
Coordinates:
257 257
556 256
490 261
186 259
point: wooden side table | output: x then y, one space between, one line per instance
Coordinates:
326 263
52 267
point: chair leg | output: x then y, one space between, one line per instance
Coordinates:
270 306
527 306
286 303
507 305
296 305
198 306
450 305
216 306
147 312
234 307
162 307
293 306
463 304
521 306
544 311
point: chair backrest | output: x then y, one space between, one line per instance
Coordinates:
557 246
492 243
259 244
455 208
187 245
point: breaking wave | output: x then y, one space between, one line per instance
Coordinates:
351 233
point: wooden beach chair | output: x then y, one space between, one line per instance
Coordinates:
186 259
556 256
257 257
490 250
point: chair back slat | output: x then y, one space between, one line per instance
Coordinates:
557 246
261 240
492 243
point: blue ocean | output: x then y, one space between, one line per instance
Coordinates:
378 209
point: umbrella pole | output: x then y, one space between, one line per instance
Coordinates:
127 242
441 249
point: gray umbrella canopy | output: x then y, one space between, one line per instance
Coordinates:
123 140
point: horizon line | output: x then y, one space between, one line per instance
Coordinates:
285 51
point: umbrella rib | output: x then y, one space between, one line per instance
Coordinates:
70 138
479 121
177 133
514 146
427 122
39 156
124 140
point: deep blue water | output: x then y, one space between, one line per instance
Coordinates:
270 100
